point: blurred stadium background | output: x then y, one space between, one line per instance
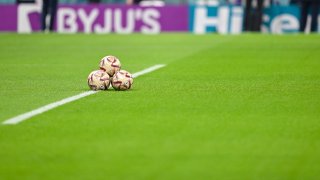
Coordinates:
234 2
154 16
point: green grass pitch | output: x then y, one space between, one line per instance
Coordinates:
224 107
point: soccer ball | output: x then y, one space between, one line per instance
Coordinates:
98 80
110 64
122 80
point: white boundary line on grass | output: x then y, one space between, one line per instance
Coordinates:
27 115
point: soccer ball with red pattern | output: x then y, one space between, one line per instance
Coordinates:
110 64
122 80
98 80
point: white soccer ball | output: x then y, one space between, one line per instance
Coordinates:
98 80
122 80
110 64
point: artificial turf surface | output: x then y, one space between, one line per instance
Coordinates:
224 107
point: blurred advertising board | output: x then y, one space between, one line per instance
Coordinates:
281 19
229 19
8 18
25 18
103 18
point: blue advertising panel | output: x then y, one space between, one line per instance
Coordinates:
229 19
221 19
281 19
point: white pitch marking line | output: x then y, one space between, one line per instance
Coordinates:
27 115
148 70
